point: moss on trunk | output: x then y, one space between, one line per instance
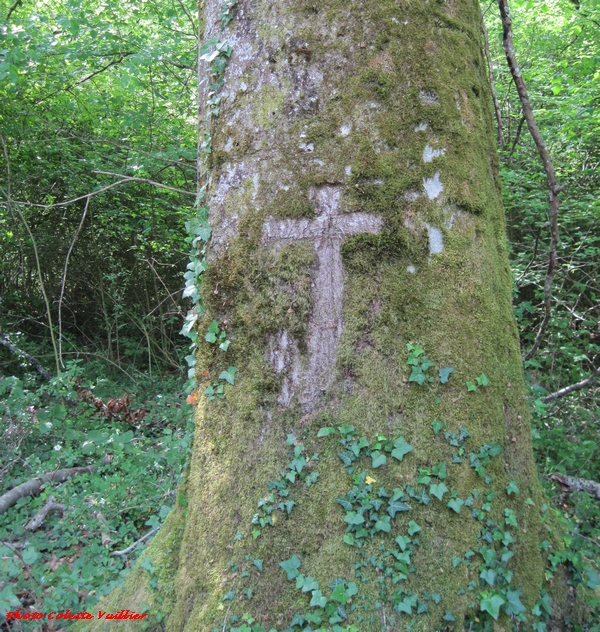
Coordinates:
388 102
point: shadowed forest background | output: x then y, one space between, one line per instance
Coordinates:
98 148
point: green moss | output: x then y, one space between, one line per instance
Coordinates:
269 105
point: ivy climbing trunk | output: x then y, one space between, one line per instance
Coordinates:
371 466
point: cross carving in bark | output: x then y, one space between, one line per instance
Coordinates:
327 230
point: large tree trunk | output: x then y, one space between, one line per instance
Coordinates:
356 209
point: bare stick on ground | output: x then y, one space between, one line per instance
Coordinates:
131 547
572 484
34 486
40 516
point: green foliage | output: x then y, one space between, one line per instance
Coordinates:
558 45
88 88
68 561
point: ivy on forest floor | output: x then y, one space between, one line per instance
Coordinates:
371 515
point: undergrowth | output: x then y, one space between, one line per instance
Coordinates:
138 444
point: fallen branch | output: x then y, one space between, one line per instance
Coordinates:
131 547
5 342
572 484
553 186
572 388
34 486
49 507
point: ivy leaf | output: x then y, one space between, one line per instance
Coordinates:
288 505
349 539
395 506
291 567
413 528
379 459
426 363
449 616
406 605
346 457
383 524
414 352
455 504
318 601
438 490
339 594
445 374
594 579
512 488
346 504
353 518
482 380
401 448
437 425
229 375
424 477
258 564
417 376
402 541
491 602
325 432
310 584
471 386
422 496
510 517
213 332
440 471
513 602
488 575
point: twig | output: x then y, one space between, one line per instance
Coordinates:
5 342
14 7
553 186
64 279
49 507
570 483
572 388
124 179
114 62
517 138
491 78
130 548
535 247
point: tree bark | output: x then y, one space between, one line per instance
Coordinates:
357 219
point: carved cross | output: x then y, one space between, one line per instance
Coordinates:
328 230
